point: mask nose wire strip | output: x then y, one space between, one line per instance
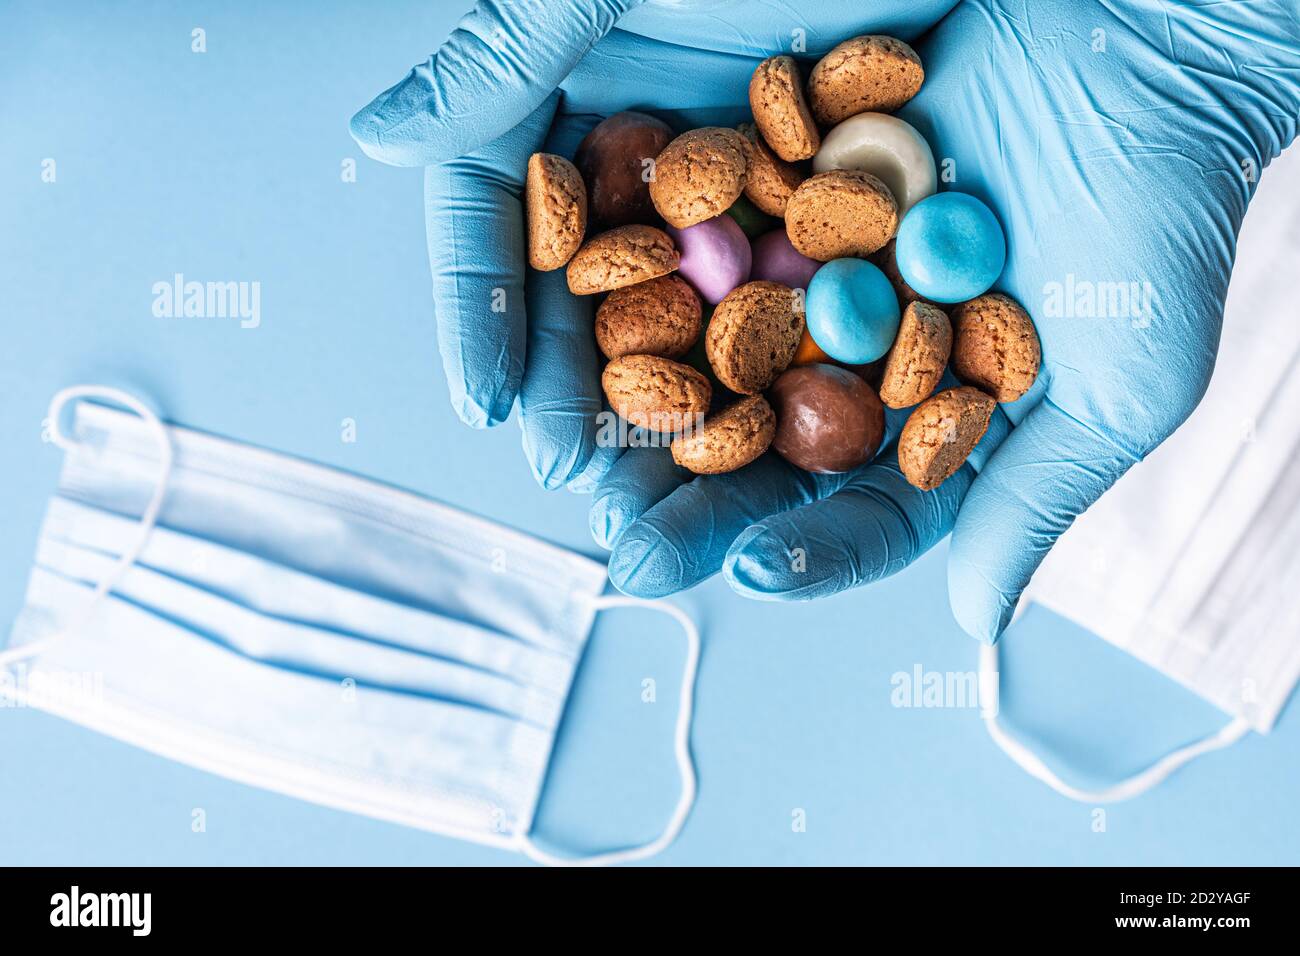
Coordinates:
681 749
1125 789
148 519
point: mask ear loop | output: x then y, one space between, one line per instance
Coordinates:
148 519
1125 789
681 749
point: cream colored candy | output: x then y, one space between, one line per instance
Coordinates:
888 148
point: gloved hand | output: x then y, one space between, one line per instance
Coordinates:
1119 145
527 75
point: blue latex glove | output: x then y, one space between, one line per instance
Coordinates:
536 74
1118 143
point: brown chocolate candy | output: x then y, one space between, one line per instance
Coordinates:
612 159
827 418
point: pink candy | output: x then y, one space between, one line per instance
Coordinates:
715 256
777 261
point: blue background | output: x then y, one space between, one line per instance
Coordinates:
226 166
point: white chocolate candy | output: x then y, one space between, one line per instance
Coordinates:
888 148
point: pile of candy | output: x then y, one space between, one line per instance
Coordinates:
734 331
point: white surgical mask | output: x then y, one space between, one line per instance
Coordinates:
1191 562
308 631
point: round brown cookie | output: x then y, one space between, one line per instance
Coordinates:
656 393
916 362
556 203
753 335
886 260
699 175
780 110
840 213
623 256
728 440
995 346
771 181
660 317
865 74
941 433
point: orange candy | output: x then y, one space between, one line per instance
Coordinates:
809 352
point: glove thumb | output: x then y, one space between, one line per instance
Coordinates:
499 64
1049 470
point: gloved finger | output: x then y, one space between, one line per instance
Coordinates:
1048 471
762 29
635 483
626 71
498 66
683 539
874 526
602 461
680 539
475 229
560 395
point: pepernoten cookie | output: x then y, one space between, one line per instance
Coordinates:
699 175
771 181
729 440
753 335
918 357
556 202
941 433
660 317
865 74
620 257
995 346
656 393
839 214
780 111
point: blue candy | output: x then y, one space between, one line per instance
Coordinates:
852 311
950 247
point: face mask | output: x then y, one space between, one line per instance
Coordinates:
307 631
1190 563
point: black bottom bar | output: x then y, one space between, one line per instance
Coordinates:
337 906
